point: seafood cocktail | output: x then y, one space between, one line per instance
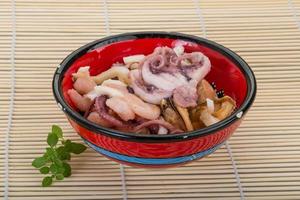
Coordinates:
154 99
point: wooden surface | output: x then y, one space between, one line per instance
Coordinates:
264 153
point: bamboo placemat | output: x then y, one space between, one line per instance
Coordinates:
262 159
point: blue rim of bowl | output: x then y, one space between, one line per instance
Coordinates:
153 161
75 116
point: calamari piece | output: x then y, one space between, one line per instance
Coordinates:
227 106
117 64
121 107
95 117
167 53
161 70
145 110
115 71
156 63
132 66
103 112
192 59
196 65
138 106
82 103
207 118
185 96
205 91
82 72
160 122
148 93
116 84
171 115
179 50
164 81
134 59
104 90
162 131
185 116
84 85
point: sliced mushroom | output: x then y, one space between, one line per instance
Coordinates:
226 106
186 118
205 91
171 114
195 116
206 117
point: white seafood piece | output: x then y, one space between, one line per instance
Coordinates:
145 110
104 90
199 73
137 105
179 50
162 130
95 117
157 80
82 103
121 107
134 58
82 72
185 96
154 96
116 71
83 85
115 84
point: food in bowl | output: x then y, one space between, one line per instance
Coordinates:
228 71
163 92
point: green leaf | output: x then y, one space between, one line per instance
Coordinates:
77 148
60 169
56 156
67 171
44 170
63 154
60 149
39 162
47 181
52 139
58 163
50 152
45 156
53 168
68 146
59 177
57 130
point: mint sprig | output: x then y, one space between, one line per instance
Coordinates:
54 162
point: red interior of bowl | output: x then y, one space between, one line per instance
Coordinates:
224 72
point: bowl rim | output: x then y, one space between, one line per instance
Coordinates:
75 116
